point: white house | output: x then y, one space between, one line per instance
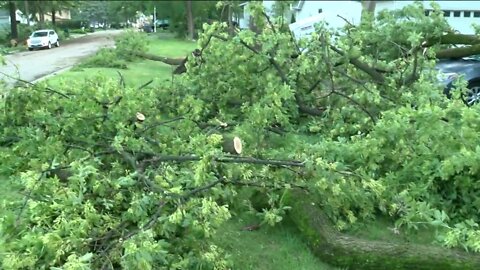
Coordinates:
459 14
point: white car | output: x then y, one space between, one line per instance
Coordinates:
43 39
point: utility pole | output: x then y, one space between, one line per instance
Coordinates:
154 19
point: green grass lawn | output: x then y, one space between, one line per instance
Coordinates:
382 229
268 248
138 72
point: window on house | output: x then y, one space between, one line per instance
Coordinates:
446 13
476 14
466 14
456 14
427 12
320 10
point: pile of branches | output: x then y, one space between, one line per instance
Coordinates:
142 175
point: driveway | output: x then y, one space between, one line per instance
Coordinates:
32 65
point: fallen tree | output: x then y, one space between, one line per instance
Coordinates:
136 178
346 251
470 46
166 60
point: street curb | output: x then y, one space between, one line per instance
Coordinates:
52 74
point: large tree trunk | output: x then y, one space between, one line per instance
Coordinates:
189 13
354 253
41 15
253 27
230 19
459 52
27 13
453 39
13 19
368 8
166 60
54 12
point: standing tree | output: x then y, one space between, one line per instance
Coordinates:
13 19
368 10
190 23
26 12
56 6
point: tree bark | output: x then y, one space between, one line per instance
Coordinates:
253 27
368 8
41 15
232 145
354 253
27 13
166 60
189 13
452 38
54 12
230 20
459 52
13 19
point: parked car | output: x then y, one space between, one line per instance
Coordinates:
164 24
469 68
45 38
147 28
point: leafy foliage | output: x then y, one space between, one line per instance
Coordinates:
125 46
104 197
360 107
105 57
390 140
129 42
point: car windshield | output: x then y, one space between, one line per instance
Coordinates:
39 34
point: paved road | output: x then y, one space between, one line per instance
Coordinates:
33 65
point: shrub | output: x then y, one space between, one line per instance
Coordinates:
24 31
126 45
72 24
78 31
105 57
62 35
129 43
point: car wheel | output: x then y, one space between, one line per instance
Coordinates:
30 49
49 45
57 44
472 97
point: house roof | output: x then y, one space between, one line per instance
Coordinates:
299 5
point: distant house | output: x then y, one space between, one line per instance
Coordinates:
459 14
61 15
5 18
300 10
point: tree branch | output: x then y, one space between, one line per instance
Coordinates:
459 52
48 89
166 60
452 38
377 76
247 160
